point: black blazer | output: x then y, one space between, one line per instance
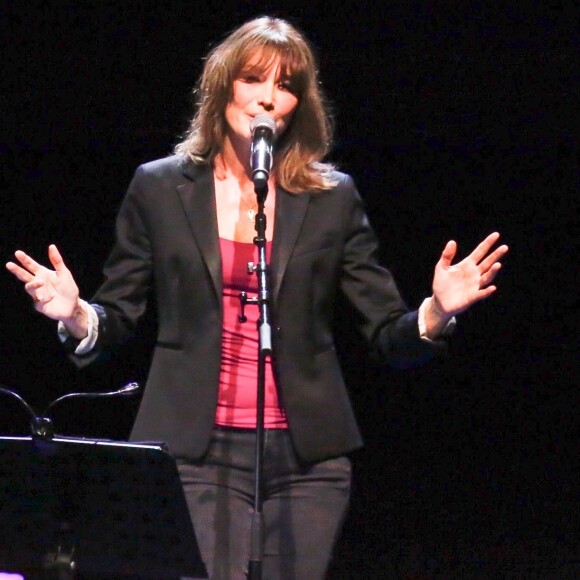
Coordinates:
167 247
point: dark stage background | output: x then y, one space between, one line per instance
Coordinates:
456 119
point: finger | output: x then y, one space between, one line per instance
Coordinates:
488 277
56 259
39 304
483 248
493 258
485 293
22 274
33 287
448 254
30 264
34 284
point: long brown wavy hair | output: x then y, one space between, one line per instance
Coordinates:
302 147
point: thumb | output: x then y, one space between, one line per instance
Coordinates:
56 259
448 254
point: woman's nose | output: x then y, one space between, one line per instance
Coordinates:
266 97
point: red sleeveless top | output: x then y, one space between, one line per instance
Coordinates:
239 366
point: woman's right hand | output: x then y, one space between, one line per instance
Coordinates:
54 292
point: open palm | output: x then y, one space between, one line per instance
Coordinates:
54 292
457 286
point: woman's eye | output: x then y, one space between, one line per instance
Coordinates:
286 86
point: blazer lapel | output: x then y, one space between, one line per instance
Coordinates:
198 199
290 212
197 196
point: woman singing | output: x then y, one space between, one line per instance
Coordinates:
184 237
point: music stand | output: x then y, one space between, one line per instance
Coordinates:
93 507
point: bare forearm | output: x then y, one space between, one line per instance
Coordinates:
436 321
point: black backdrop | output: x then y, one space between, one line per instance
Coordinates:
456 119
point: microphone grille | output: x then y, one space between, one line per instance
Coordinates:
263 122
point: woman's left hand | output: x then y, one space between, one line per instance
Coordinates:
457 286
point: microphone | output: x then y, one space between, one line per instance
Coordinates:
263 129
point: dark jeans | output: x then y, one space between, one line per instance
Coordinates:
304 506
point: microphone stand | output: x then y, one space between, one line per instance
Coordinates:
265 350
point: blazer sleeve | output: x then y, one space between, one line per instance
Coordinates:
122 298
383 318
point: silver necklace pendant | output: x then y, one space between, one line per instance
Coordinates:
251 214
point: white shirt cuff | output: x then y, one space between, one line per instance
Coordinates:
87 344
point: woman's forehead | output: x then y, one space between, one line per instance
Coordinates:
264 58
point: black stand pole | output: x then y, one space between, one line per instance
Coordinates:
265 350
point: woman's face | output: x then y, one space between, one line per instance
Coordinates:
261 88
